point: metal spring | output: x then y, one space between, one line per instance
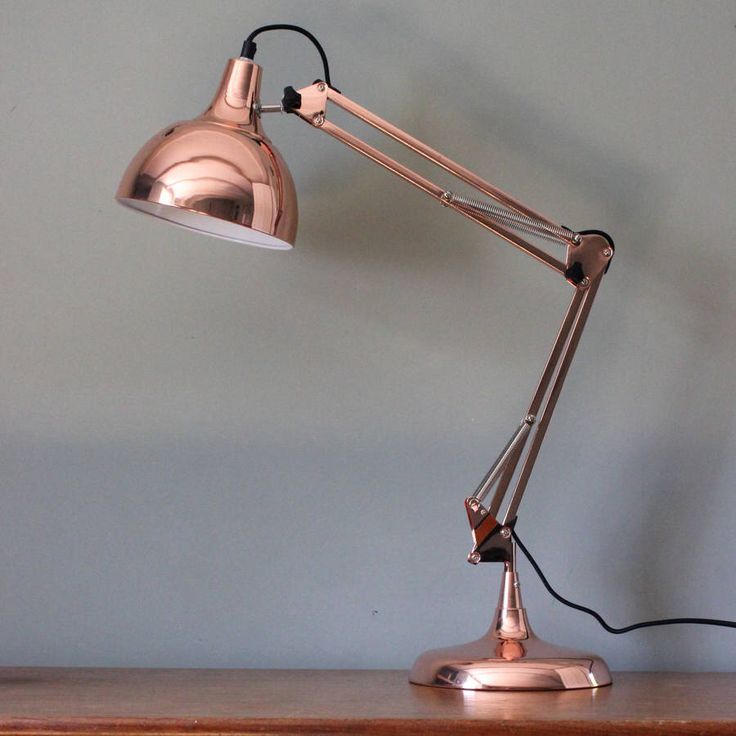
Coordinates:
514 220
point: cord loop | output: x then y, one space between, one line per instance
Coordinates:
249 46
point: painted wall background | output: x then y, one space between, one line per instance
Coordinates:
220 456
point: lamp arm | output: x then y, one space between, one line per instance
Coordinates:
491 530
587 257
310 104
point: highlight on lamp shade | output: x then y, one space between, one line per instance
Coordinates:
218 174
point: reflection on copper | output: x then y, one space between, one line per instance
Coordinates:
510 650
218 173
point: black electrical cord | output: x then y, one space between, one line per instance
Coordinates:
249 46
599 618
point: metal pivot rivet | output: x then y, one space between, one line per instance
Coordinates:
585 282
505 532
607 252
530 419
318 119
321 87
474 558
446 198
577 239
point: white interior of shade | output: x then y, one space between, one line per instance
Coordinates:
207 224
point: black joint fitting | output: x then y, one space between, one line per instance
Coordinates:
575 273
291 100
249 50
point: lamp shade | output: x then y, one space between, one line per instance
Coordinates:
218 174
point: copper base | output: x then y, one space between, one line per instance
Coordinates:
510 656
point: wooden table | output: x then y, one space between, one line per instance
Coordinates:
53 701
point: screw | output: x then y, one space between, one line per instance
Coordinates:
505 532
585 283
318 119
446 198
321 87
474 558
530 419
577 239
607 252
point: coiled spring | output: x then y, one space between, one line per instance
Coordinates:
513 219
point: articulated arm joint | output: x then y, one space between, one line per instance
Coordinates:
588 259
309 103
492 540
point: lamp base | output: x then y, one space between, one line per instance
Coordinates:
487 664
510 656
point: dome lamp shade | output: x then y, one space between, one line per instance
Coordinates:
218 174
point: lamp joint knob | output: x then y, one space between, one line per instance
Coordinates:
292 100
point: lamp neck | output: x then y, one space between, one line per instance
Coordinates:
235 100
510 621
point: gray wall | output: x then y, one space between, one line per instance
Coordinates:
219 456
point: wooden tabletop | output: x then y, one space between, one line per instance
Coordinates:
167 701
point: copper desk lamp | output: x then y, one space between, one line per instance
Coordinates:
220 175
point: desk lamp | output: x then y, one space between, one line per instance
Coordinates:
220 175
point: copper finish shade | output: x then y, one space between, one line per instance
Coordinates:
218 174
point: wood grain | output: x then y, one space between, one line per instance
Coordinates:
55 701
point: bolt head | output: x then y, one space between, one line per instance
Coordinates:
474 558
318 119
505 532
321 87
607 252
585 283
